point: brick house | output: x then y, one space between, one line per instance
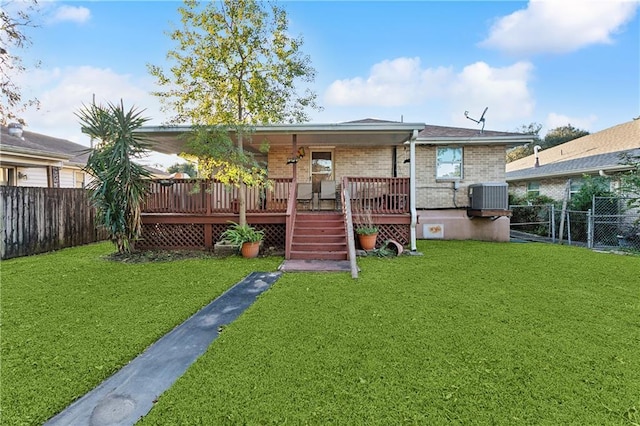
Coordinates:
413 177
597 154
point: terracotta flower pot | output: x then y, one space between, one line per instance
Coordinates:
367 242
250 250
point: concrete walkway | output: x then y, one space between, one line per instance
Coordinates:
315 266
130 393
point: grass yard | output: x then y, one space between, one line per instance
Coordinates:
473 333
70 319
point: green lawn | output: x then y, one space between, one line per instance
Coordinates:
471 332
70 319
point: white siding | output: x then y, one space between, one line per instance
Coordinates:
35 176
67 179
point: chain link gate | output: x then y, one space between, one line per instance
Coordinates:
533 222
615 224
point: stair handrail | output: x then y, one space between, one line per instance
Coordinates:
348 220
290 218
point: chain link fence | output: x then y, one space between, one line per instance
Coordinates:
610 224
615 223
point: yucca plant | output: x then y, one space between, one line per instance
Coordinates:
118 187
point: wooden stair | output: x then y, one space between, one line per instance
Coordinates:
319 236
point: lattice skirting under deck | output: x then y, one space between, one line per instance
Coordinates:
397 232
192 236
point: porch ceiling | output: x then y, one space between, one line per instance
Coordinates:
172 140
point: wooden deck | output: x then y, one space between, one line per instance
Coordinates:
192 214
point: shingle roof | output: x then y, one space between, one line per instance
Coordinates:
444 131
430 131
36 143
615 139
607 162
370 121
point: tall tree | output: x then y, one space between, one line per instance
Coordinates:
15 17
525 150
235 65
556 136
562 134
119 187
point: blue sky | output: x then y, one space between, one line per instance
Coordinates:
553 62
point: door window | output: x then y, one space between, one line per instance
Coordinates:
321 168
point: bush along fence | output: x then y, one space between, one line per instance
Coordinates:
610 224
38 220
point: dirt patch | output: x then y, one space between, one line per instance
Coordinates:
145 256
159 256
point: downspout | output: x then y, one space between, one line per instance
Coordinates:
412 190
394 162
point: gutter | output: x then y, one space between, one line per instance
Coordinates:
565 173
36 153
511 141
298 128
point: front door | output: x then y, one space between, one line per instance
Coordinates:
321 168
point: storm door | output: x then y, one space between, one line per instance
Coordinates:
321 168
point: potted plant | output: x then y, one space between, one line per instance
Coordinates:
246 237
367 231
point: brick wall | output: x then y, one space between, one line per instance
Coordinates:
480 164
553 188
362 161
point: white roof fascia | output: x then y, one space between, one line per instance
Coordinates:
44 155
489 140
301 128
618 168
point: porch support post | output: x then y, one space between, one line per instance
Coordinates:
412 190
294 153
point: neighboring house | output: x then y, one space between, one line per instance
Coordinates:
157 173
32 159
415 179
598 154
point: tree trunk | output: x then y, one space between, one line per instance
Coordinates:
242 190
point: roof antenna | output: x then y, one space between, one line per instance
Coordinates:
480 120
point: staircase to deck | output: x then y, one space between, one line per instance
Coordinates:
319 236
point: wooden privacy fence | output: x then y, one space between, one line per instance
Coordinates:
38 220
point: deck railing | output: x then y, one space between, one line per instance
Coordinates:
378 195
197 196
202 197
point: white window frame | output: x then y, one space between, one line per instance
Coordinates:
440 163
533 191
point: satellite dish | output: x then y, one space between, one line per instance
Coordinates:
480 120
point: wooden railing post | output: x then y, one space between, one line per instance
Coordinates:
290 218
351 243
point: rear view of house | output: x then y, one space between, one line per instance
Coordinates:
414 180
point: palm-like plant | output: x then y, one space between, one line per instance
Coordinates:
118 188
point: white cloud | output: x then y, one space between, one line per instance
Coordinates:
504 91
77 14
403 83
395 82
555 120
63 91
556 26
